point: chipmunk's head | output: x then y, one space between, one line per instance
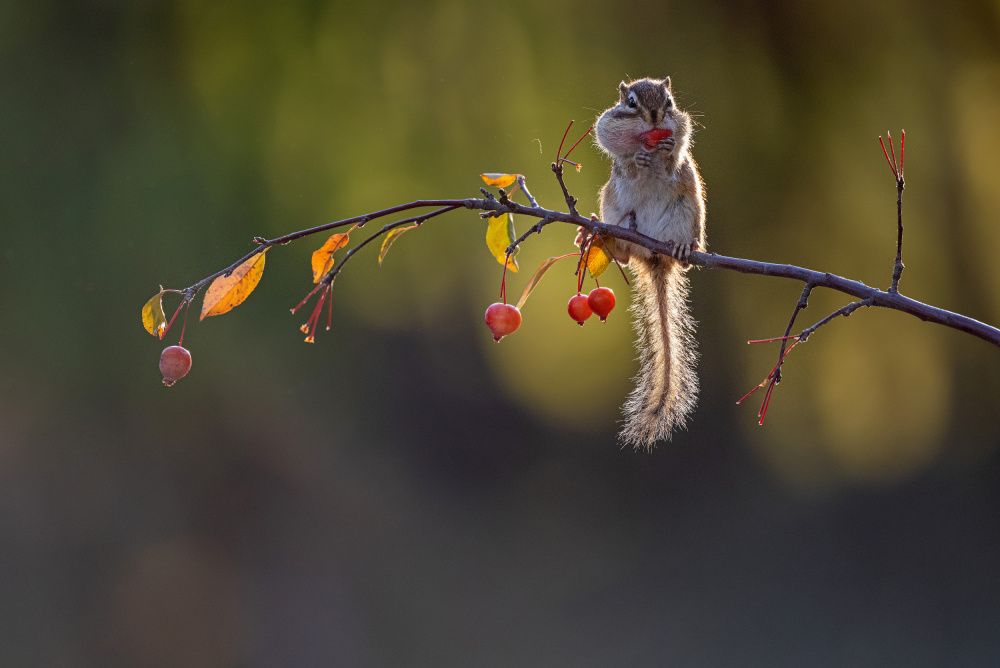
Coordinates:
648 99
643 105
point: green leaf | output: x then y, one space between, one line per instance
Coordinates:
499 236
390 239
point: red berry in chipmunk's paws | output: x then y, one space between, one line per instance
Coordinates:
601 301
651 138
502 319
175 362
578 308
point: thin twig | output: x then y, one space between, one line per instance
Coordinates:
897 270
570 200
897 173
534 229
802 304
842 311
332 274
524 187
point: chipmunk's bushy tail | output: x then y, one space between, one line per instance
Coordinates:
667 387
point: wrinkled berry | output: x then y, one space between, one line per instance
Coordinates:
175 362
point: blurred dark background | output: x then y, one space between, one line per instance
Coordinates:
405 492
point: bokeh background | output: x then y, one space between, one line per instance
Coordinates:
405 492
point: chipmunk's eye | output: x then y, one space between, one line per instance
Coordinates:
632 102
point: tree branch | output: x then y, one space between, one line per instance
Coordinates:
873 296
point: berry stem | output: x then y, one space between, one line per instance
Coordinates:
184 326
174 317
307 297
902 149
891 165
329 307
893 149
576 144
503 279
559 152
581 266
777 338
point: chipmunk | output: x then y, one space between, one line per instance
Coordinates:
657 192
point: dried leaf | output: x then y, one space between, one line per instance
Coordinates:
227 292
535 279
499 180
500 235
322 259
598 257
390 239
153 318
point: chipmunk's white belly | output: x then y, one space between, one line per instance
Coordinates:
658 206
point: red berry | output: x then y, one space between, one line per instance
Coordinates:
578 308
653 137
601 302
502 319
175 362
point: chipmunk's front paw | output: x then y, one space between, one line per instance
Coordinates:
644 159
666 144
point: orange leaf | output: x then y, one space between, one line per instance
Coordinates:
391 239
535 279
322 259
227 292
499 180
598 257
153 318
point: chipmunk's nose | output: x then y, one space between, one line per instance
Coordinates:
652 115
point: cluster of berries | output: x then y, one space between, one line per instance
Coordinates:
504 319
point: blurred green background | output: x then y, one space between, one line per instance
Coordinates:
405 492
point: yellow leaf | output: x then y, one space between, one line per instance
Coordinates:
499 180
153 318
598 257
322 259
535 279
227 292
500 235
391 238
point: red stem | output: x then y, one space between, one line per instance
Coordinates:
902 150
892 148
184 326
329 307
503 279
307 297
577 142
891 166
777 338
170 324
559 152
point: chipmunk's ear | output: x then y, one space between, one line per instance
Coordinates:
623 92
666 84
